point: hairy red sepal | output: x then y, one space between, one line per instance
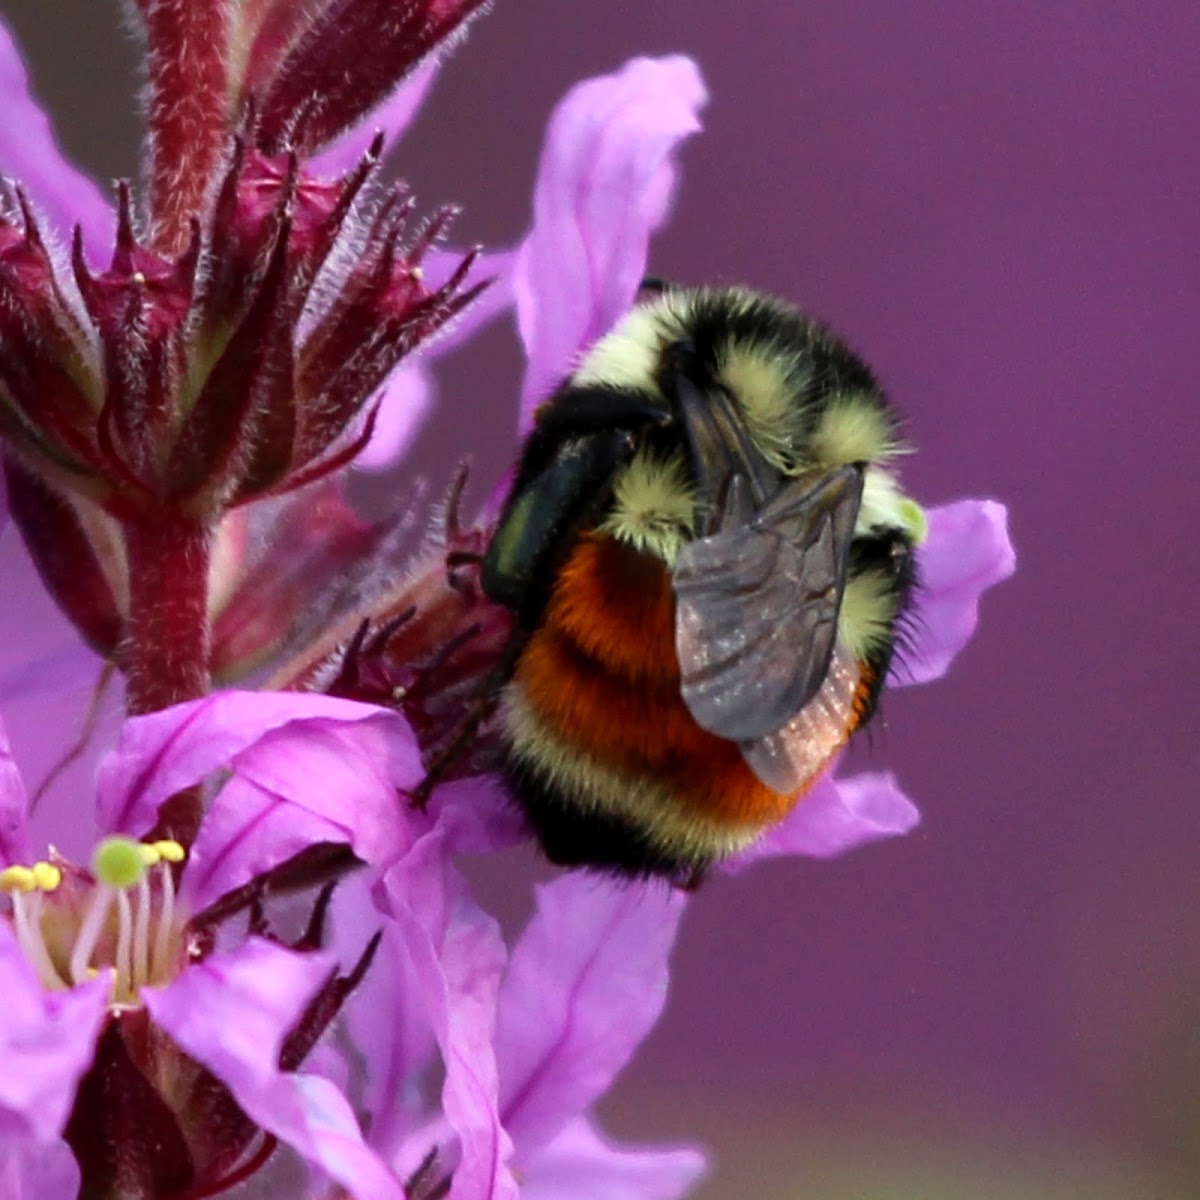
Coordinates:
49 399
66 555
139 308
384 39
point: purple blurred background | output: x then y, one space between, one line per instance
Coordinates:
997 205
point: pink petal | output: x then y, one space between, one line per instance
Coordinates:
392 118
836 816
477 816
391 1017
47 1040
582 1164
14 809
62 669
587 981
406 402
231 1012
244 834
310 781
388 1023
604 184
454 953
966 552
35 1172
163 752
29 155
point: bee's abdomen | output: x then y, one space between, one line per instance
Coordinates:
606 759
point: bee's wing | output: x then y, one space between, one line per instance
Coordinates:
788 759
757 604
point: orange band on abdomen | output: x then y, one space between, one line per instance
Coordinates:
601 675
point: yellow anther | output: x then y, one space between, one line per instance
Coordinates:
46 876
17 879
150 856
171 852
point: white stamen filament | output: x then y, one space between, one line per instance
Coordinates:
166 919
90 930
27 912
141 934
124 984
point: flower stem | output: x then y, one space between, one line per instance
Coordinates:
167 649
168 642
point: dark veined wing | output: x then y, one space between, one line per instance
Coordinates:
757 604
789 758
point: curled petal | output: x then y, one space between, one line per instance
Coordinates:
231 1013
309 781
967 551
29 152
455 954
586 983
164 752
582 1164
604 183
836 816
47 1040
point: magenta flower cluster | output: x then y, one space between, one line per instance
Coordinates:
185 376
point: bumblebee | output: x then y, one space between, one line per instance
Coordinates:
709 559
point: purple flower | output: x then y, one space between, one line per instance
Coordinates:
529 1040
173 992
161 1046
587 981
604 185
